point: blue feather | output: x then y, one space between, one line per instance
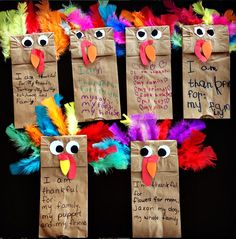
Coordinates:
120 50
58 98
106 11
118 160
26 166
44 122
116 24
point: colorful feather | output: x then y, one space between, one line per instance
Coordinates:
68 9
176 40
26 166
95 16
82 21
32 23
56 115
230 16
119 134
12 23
232 46
71 120
34 134
183 129
118 160
50 21
163 129
106 11
193 155
20 139
44 122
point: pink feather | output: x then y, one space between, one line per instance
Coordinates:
222 20
78 18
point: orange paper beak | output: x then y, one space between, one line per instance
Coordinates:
37 60
203 50
147 52
152 168
91 54
150 53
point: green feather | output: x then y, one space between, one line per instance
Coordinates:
21 140
68 9
176 40
198 8
12 22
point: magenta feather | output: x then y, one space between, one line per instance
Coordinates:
182 130
119 134
78 18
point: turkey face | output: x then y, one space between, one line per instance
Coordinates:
65 152
35 49
153 157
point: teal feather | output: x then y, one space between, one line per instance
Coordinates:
26 166
118 160
58 98
20 139
106 11
176 40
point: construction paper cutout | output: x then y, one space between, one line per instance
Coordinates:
206 73
155 191
148 72
63 199
34 75
96 86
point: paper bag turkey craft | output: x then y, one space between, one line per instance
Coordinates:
148 63
94 65
60 150
157 152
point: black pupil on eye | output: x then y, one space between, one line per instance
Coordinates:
144 152
99 34
28 42
79 35
210 32
199 31
154 32
74 149
43 42
141 34
59 149
161 152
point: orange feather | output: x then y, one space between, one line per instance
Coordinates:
34 133
56 115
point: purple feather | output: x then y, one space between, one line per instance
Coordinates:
182 130
119 134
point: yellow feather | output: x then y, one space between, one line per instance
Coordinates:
56 115
127 121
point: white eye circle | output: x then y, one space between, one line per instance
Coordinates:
99 34
141 34
72 147
199 31
146 151
56 147
210 32
163 151
27 42
156 34
43 40
79 34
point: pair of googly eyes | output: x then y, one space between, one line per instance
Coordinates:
200 31
28 41
141 34
99 34
163 151
57 147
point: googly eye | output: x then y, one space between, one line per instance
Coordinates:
210 32
72 147
79 34
27 42
146 151
163 151
43 40
156 34
99 34
56 147
199 31
141 34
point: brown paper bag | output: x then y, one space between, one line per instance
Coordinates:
206 85
96 88
155 208
30 88
63 201
149 87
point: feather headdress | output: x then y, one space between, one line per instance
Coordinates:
51 21
104 152
12 22
192 153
